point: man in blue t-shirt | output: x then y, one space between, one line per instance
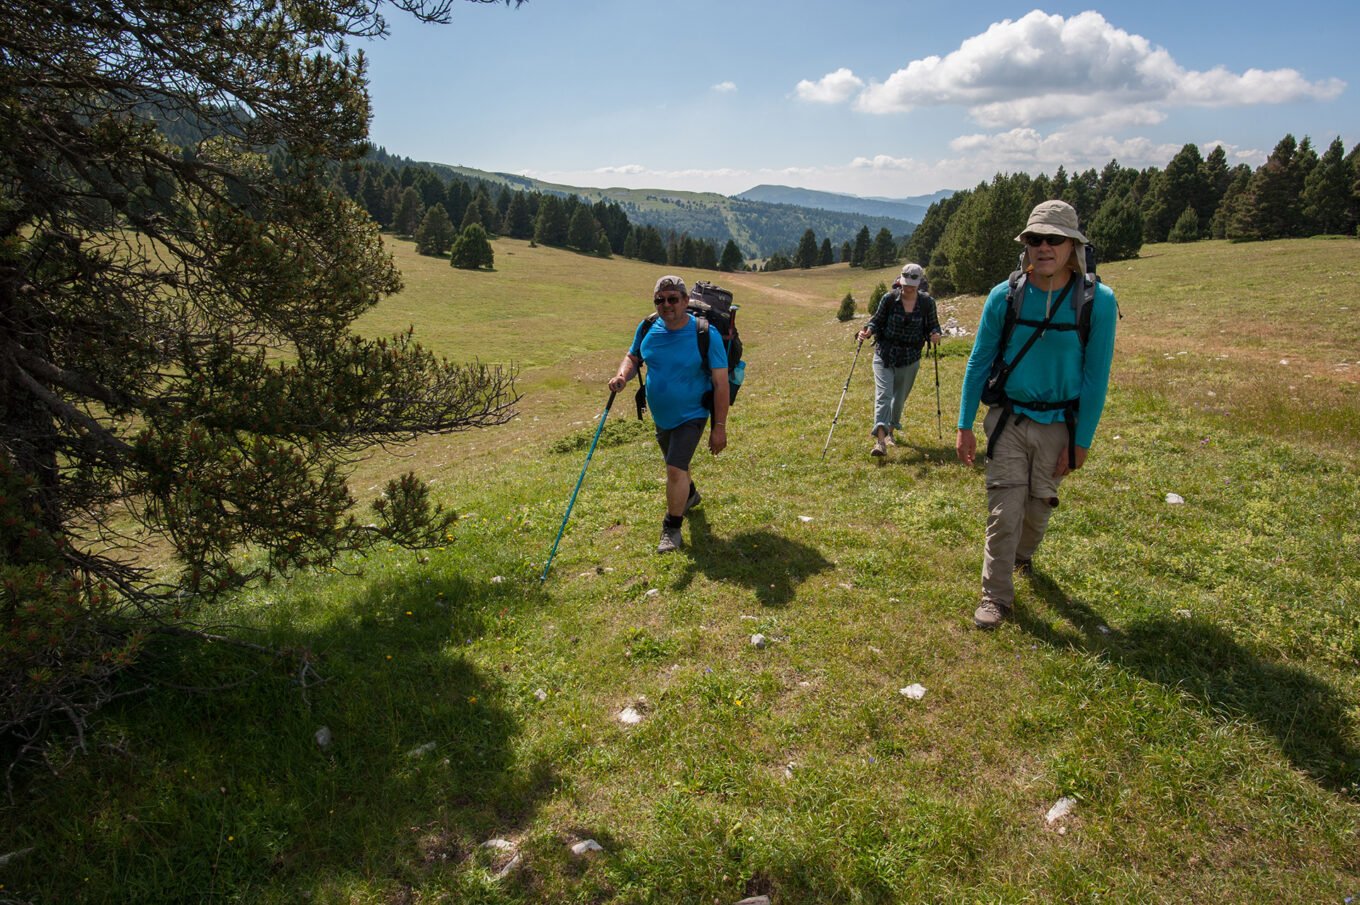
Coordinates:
678 385
1053 398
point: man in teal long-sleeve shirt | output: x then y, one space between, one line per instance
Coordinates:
1054 397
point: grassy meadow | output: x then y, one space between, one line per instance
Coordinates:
1187 674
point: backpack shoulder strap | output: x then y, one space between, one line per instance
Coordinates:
649 320
1015 296
701 333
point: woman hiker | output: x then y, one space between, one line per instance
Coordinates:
905 320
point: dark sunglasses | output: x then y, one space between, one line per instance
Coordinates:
668 299
1034 241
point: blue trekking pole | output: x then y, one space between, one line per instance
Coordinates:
603 416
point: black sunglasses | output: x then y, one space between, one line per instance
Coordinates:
1034 241
668 299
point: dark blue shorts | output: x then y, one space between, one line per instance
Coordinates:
679 443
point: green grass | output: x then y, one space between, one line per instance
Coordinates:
1187 673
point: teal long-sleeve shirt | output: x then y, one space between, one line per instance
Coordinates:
1055 369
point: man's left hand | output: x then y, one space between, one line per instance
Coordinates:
1062 468
717 439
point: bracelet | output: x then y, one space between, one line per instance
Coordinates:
722 424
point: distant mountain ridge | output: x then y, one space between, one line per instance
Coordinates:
759 226
913 208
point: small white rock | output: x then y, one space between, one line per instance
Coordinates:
541 695
1061 808
585 847
499 844
629 716
421 750
1184 614
915 691
652 592
1103 629
804 518
755 900
1174 499
758 641
1062 831
497 579
323 737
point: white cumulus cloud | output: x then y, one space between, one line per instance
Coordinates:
1017 73
832 88
725 87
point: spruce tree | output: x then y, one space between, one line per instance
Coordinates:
1182 184
518 222
731 257
980 238
708 255
876 297
1116 230
1186 227
410 211
1326 192
552 226
827 256
1269 209
883 252
435 233
1232 199
847 309
862 243
583 231
846 252
472 250
806 255
650 247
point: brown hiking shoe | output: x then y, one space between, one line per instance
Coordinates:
989 614
670 540
880 448
1024 567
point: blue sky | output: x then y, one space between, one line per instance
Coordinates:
865 97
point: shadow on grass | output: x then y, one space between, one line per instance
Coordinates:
1305 715
230 791
771 565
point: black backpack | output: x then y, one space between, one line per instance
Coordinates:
710 304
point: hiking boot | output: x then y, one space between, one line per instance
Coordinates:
1024 568
694 500
880 448
670 540
989 615
889 441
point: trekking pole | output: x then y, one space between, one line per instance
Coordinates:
939 415
603 415
858 346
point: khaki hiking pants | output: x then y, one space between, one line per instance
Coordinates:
1021 495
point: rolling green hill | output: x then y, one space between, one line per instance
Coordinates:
1187 674
758 227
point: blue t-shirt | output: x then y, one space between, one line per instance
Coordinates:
676 377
